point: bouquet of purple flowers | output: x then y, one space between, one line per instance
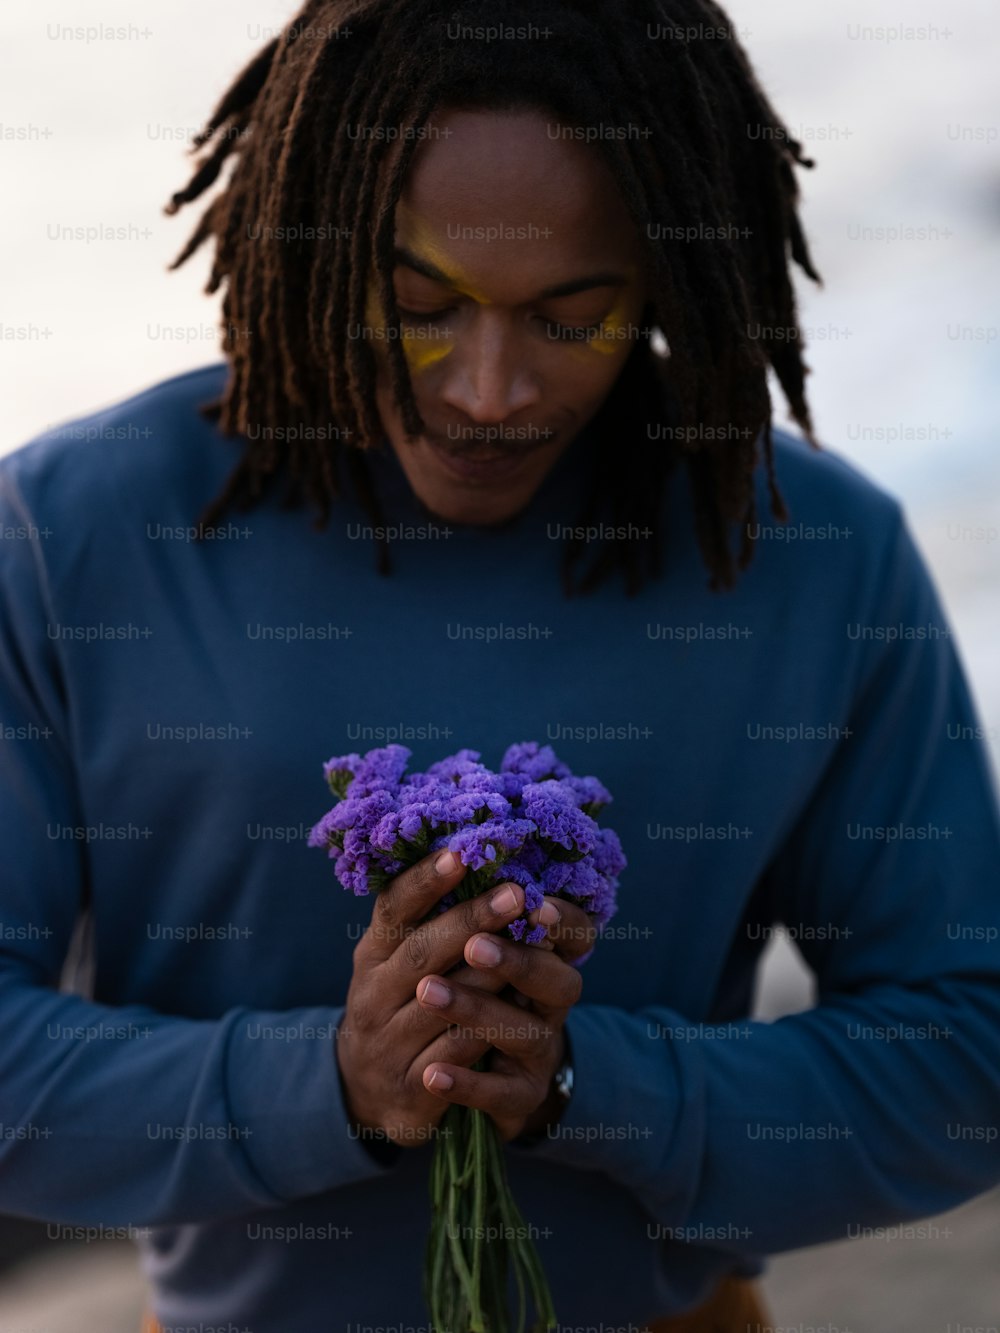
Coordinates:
532 823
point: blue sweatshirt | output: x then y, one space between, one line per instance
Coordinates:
798 753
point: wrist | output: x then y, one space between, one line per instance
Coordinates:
373 1139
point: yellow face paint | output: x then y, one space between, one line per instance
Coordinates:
609 337
426 247
420 351
421 355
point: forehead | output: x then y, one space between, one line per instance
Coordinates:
507 198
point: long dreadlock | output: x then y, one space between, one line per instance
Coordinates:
717 163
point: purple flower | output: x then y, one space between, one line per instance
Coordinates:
608 855
319 834
590 794
536 762
338 772
380 769
456 766
558 818
530 823
495 840
581 883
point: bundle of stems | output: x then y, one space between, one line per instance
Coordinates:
476 1229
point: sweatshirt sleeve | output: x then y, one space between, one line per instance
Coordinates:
124 1115
882 1103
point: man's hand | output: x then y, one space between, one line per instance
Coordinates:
525 1029
389 1036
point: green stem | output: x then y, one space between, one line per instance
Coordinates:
455 1233
477 1143
524 1254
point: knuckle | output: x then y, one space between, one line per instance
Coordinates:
477 914
422 875
383 916
415 950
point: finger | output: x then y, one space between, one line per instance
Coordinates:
415 1026
403 903
547 916
574 934
476 1017
505 1096
438 944
548 981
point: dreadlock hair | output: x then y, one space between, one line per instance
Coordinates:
712 156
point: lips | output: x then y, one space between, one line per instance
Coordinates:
480 458
479 455
476 468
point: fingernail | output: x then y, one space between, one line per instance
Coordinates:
441 1080
435 993
549 914
505 900
486 952
446 863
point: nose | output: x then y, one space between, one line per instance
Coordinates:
488 376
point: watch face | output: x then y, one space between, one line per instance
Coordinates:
564 1082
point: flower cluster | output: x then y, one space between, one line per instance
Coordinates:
531 823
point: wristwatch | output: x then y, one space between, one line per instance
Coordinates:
564 1077
562 1085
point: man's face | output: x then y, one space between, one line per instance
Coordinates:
519 278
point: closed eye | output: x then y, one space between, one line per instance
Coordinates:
553 329
425 317
568 332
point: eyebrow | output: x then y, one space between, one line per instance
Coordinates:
428 270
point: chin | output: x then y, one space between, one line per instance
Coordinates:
463 509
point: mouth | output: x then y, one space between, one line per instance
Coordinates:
479 465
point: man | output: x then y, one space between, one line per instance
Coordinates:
477 320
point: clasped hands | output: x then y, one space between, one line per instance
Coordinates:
429 998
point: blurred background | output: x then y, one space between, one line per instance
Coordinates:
899 105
